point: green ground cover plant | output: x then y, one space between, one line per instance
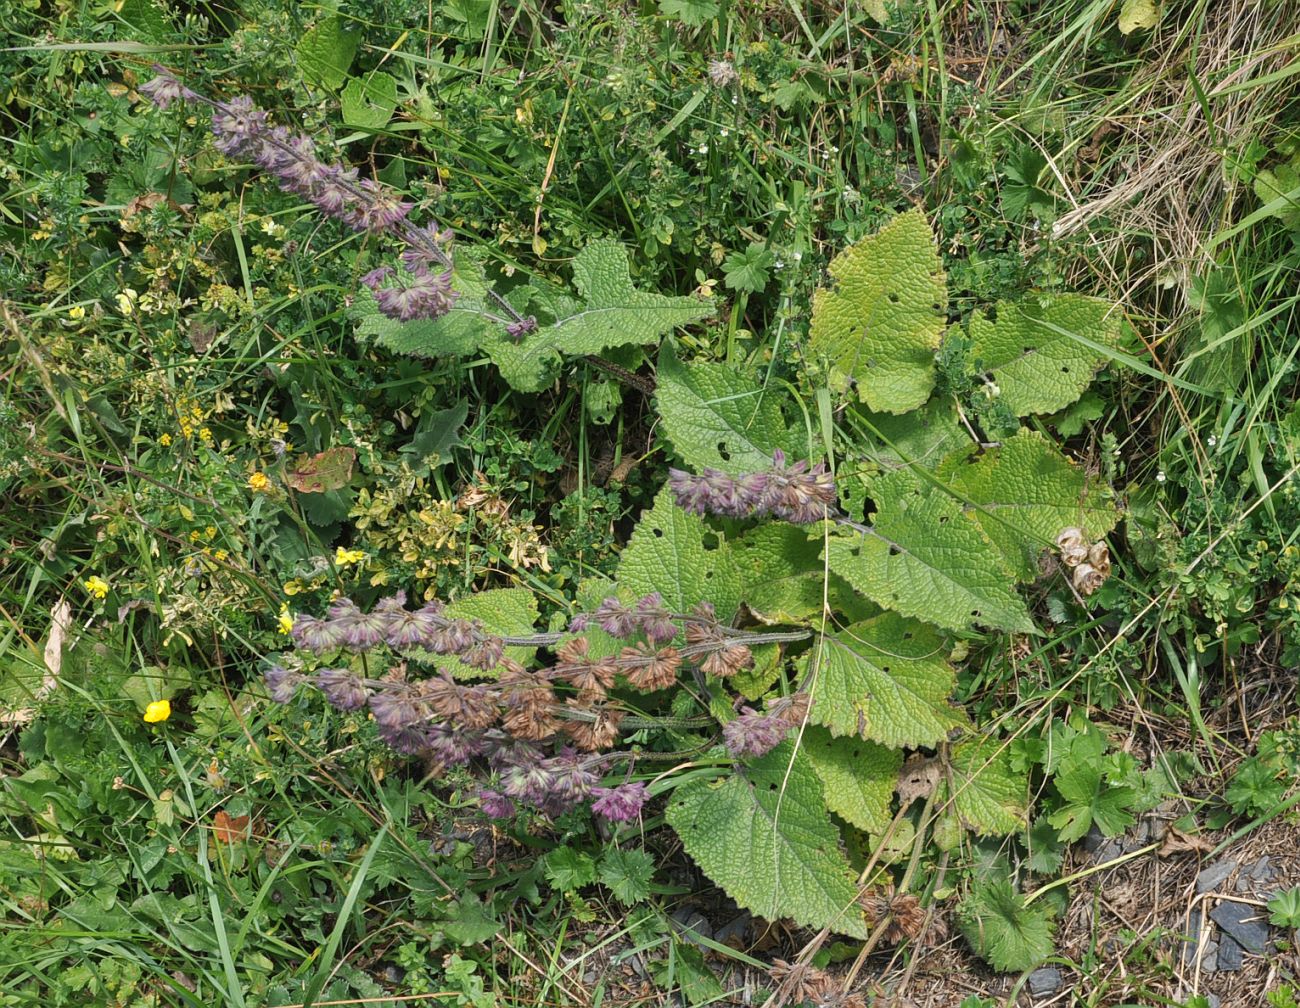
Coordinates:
482 482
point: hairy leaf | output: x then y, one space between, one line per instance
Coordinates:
608 312
717 417
1005 933
1027 492
326 51
763 834
927 559
924 437
369 101
881 321
1135 14
667 554
988 797
1034 352
884 679
858 777
784 578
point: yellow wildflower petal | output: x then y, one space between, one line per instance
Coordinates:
159 710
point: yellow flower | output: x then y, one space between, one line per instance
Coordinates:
126 300
159 710
97 586
285 622
221 555
165 440
344 557
76 312
292 587
210 532
259 483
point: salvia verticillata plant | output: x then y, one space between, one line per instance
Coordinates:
546 736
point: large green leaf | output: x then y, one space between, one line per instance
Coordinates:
927 559
608 312
884 679
1036 352
718 417
881 321
1027 492
784 577
858 777
667 554
924 437
763 834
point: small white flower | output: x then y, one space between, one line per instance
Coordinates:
725 132
1160 476
704 148
796 256
1211 441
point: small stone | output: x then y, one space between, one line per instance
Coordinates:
1210 957
1044 981
1093 840
1212 1000
1212 877
1230 955
694 924
1109 851
1244 924
1261 870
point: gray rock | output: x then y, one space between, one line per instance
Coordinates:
1246 925
1044 981
1210 957
1108 851
1193 938
1214 876
1262 870
1212 1000
693 923
1230 955
1093 840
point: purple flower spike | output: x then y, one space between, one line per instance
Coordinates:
753 734
654 619
343 690
495 804
619 804
165 89
615 618
281 682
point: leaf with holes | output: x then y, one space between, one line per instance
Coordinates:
880 323
328 470
763 834
927 559
667 554
858 777
1043 353
608 312
988 796
716 417
884 679
1027 492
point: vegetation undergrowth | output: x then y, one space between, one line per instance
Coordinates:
606 505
